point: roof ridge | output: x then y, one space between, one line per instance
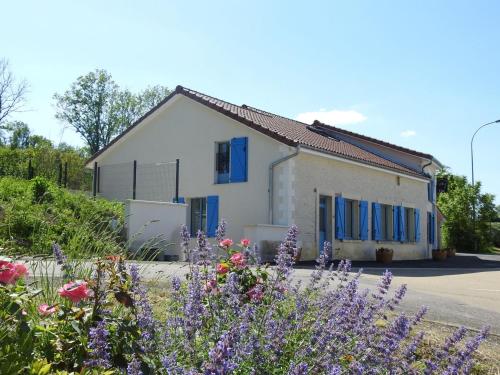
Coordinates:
374 140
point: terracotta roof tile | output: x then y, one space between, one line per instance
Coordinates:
293 132
283 129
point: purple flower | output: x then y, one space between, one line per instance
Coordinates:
412 347
134 366
299 369
220 232
99 346
58 254
185 237
143 310
220 358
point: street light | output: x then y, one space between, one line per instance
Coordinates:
472 175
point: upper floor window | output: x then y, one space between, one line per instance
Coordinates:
231 161
222 162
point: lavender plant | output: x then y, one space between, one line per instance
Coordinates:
231 315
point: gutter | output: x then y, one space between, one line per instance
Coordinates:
271 181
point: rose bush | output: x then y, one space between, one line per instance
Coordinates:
229 315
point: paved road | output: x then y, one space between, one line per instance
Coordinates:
463 291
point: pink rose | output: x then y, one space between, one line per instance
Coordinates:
245 242
226 243
7 272
21 270
46 310
256 293
238 259
11 272
222 268
75 291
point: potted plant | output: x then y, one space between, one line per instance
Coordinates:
384 255
451 252
439 254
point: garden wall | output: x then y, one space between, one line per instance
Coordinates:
155 225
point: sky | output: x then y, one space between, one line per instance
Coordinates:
421 74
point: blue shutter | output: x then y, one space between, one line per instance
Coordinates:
180 200
417 225
212 214
376 220
402 224
363 220
432 224
395 223
239 159
339 218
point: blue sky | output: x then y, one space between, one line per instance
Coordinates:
422 74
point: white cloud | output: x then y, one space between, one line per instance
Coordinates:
408 133
334 117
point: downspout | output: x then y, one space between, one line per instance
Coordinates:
429 246
271 180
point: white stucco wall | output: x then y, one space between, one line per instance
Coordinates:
188 130
317 175
155 224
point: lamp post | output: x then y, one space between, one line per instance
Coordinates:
472 177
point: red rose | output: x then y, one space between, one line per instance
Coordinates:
75 291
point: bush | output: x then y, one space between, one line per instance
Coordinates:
36 213
224 318
41 190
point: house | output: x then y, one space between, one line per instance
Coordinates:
263 172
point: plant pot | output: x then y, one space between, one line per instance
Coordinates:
384 255
298 255
450 252
439 255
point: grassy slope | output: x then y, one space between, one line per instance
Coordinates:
77 222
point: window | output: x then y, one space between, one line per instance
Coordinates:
231 161
351 219
410 224
198 215
222 161
386 224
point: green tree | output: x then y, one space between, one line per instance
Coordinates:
20 134
98 110
457 205
88 107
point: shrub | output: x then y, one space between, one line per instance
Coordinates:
36 213
226 317
41 189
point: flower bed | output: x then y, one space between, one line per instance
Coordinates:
230 315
